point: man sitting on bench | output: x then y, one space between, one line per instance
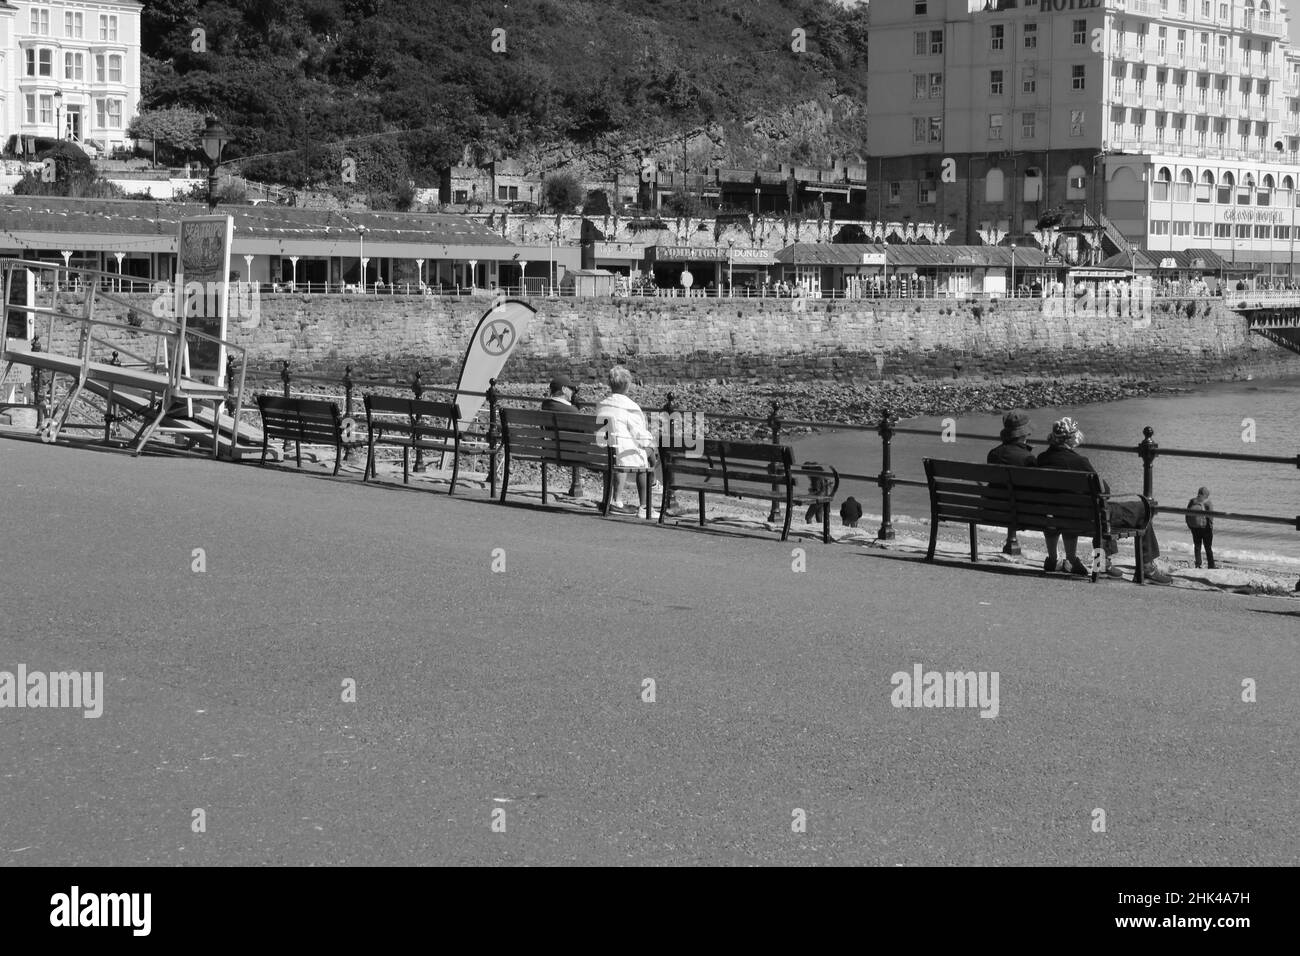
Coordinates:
1124 511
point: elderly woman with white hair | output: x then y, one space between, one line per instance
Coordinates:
1125 511
625 428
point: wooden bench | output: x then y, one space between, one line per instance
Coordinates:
555 438
747 470
1022 499
412 425
303 421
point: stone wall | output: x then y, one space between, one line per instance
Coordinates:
767 340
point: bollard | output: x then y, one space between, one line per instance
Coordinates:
492 438
886 479
774 422
417 388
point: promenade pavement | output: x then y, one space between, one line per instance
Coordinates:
522 690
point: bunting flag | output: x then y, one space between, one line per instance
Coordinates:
498 332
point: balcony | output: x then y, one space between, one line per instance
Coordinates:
1150 102
1153 56
1274 72
1144 8
1273 115
1132 54
1232 111
1132 100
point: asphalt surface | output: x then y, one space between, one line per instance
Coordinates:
522 690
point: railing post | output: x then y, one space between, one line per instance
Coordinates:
886 478
38 382
417 389
774 422
285 378
347 402
492 438
672 443
1148 451
109 417
230 386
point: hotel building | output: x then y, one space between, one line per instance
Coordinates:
69 63
1172 124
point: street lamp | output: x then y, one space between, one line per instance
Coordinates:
731 244
215 139
361 233
58 115
550 263
1013 270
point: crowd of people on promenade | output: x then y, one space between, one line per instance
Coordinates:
1125 512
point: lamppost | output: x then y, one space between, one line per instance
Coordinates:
58 115
293 261
119 256
1013 270
731 243
550 263
215 139
361 233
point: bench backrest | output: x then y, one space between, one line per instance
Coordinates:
424 419
307 420
562 438
1034 499
739 468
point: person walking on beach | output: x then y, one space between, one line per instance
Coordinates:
1124 511
623 425
560 399
1016 451
1202 525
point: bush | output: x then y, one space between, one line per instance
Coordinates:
561 192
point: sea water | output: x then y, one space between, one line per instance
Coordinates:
1252 417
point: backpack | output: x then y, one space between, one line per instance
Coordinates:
1195 521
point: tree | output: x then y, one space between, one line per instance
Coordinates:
561 192
175 128
74 176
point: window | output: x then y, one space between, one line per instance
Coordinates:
936 86
503 193
74 25
44 63
1079 33
1264 196
936 42
997 36
936 129
1031 36
995 82
1160 126
1033 184
99 68
1182 227
40 21
1139 121
1076 183
1162 38
920 45
1183 190
1159 227
460 195
115 69
1222 230
1261 232
1028 124
108 26
919 7
1160 191
1028 79
1077 76
895 194
995 126
31 109
1281 232
74 66
1076 122
101 116
47 109
1244 191
927 191
115 114
920 86
1241 232
920 125
1202 230
993 186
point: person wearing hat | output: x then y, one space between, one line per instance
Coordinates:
1202 525
560 399
1016 451
1124 511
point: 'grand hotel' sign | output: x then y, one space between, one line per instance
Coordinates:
1261 216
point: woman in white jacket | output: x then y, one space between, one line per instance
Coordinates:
625 428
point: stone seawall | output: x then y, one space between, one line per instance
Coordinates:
765 340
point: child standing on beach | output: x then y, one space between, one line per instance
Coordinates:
1202 525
